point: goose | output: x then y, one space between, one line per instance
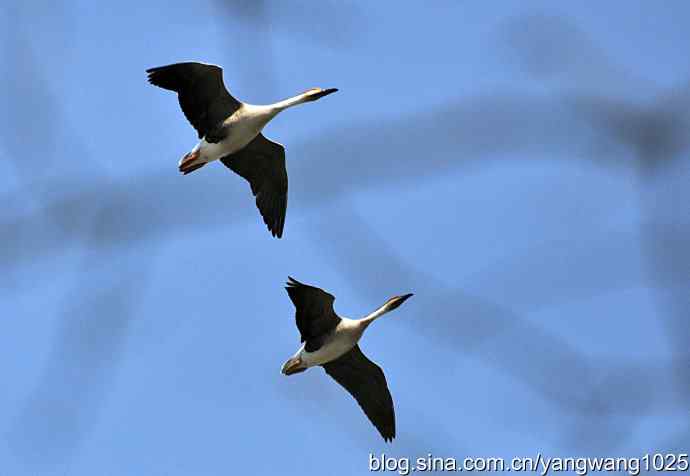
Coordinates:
230 130
332 342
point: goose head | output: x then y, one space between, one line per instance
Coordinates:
390 305
396 301
317 93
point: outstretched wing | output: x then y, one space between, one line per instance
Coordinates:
366 382
314 312
262 164
203 97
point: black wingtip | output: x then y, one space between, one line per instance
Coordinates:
152 71
164 77
388 438
276 227
152 76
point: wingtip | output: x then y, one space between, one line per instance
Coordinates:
152 71
293 283
276 229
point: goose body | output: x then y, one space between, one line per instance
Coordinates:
341 340
331 341
230 131
243 126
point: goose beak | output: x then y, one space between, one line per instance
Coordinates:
321 93
396 301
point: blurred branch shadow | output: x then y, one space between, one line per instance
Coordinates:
403 157
465 135
93 324
110 217
553 49
30 105
590 391
655 132
335 25
328 23
79 370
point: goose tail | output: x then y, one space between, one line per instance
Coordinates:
189 164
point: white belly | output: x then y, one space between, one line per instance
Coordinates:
244 126
347 335
327 353
235 141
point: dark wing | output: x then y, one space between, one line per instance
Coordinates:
313 312
262 164
366 382
200 90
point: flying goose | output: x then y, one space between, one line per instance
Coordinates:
230 130
331 342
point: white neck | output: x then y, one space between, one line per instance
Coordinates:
286 103
369 318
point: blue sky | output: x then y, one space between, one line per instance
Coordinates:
520 166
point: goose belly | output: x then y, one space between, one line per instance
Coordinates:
213 151
329 351
240 134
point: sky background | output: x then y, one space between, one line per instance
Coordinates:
522 167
